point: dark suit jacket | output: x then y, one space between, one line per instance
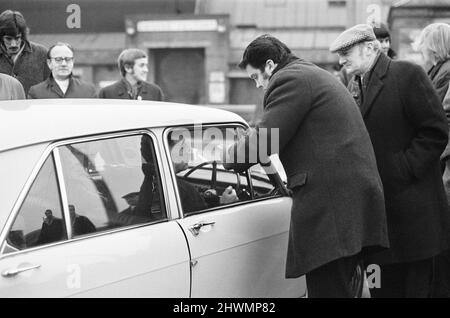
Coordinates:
51 233
191 200
408 130
338 207
119 90
50 89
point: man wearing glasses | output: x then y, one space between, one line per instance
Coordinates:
20 58
61 83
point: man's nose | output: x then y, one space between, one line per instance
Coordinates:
342 60
258 84
14 42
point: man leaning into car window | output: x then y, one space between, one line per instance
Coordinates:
191 199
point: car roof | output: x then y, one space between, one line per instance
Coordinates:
26 122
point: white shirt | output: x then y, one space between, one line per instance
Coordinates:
63 85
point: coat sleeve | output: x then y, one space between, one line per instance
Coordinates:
286 104
31 93
424 110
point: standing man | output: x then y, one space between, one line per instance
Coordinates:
20 58
383 35
61 83
133 66
408 129
338 214
10 88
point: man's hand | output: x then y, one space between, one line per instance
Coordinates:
228 196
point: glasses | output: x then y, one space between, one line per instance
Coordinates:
59 60
9 39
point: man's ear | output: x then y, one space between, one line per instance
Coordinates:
49 62
270 66
128 68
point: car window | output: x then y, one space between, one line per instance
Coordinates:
202 180
111 183
40 219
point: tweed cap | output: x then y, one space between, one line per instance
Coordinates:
350 37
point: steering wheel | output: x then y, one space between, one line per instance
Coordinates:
214 164
214 172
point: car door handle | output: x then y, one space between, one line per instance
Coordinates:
195 229
15 271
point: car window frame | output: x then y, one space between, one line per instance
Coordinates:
53 150
247 175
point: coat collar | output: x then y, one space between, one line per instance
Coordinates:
54 87
124 88
375 83
433 72
289 59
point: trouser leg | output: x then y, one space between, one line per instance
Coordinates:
332 280
405 280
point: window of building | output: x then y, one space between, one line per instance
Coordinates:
337 3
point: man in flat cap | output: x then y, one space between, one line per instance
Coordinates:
337 216
409 131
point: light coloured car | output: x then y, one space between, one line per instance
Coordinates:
93 204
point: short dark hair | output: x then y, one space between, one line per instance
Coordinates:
58 44
263 48
127 58
12 23
381 31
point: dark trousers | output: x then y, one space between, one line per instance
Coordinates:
441 275
405 280
333 280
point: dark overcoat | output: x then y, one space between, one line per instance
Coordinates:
119 90
338 206
30 67
50 89
408 129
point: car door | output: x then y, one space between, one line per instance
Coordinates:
238 249
109 233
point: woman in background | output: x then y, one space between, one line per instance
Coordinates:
434 45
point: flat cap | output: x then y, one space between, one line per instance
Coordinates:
350 37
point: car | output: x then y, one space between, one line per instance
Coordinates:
93 204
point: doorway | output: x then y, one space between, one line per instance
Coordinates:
181 74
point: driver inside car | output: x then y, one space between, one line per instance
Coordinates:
191 199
